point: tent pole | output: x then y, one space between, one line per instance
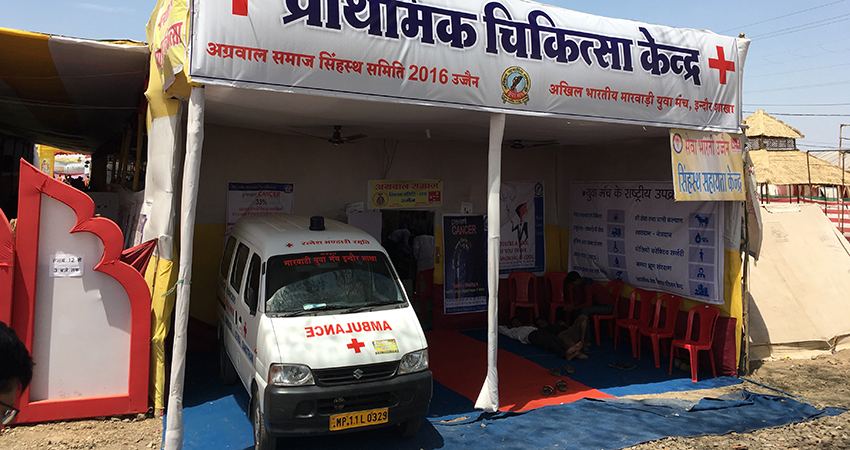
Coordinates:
744 368
749 202
191 170
139 139
841 155
488 398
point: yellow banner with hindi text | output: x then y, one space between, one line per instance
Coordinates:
706 166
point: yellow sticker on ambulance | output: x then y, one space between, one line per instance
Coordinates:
384 346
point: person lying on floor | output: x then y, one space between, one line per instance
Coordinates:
541 336
574 336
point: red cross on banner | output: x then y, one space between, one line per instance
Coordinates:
356 346
240 7
720 63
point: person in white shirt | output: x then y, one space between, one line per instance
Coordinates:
540 337
423 251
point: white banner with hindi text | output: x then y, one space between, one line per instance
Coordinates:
508 55
636 232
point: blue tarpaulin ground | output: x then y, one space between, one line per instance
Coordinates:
214 415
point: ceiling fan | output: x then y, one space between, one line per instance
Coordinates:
520 143
338 138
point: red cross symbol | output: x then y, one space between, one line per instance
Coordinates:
356 346
721 64
240 7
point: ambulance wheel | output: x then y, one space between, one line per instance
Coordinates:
262 439
226 371
409 428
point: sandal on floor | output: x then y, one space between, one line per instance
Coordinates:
547 391
562 385
555 371
622 366
569 369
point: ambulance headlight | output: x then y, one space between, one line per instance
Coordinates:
290 375
413 362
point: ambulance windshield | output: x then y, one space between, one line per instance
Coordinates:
329 281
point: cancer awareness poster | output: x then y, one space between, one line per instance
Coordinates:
636 232
522 245
465 270
244 199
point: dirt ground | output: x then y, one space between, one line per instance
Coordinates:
822 381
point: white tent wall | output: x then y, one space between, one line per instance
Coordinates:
327 177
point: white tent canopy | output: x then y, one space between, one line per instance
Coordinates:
799 285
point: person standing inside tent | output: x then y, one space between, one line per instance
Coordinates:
15 371
423 250
401 255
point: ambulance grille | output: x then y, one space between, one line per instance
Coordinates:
346 375
356 403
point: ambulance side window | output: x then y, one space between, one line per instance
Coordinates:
239 268
228 256
252 285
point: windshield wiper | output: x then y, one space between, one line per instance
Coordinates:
369 306
310 309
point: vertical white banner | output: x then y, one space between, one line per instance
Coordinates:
636 232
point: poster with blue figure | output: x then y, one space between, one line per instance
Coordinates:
465 269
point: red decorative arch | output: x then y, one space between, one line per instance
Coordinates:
7 268
34 184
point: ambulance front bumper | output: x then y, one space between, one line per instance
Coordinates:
295 411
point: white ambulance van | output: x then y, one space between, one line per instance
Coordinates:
315 323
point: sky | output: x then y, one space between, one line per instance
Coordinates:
797 68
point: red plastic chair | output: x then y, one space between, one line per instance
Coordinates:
636 318
614 288
554 284
656 329
523 292
707 320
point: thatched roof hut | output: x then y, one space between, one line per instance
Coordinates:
777 161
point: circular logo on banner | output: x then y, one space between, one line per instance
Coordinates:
678 144
379 199
515 85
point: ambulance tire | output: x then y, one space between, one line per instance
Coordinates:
226 371
262 439
409 428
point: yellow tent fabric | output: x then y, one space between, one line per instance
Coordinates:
167 32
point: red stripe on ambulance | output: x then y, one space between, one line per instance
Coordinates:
350 327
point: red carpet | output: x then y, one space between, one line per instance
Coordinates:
459 363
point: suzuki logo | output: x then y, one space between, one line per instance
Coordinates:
358 374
